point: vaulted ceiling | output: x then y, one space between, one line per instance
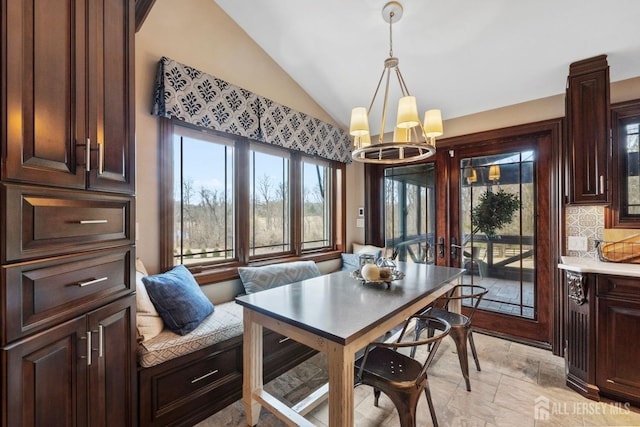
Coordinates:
462 56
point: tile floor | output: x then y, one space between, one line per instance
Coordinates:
514 377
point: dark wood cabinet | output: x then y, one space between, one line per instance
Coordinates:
588 131
185 390
580 349
67 213
602 327
112 391
618 332
45 378
76 373
69 94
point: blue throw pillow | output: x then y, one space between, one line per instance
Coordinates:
178 299
350 262
255 279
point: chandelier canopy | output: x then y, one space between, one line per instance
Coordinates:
413 139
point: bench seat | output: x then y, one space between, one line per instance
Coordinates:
224 323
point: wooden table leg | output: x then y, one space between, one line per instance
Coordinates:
252 367
341 363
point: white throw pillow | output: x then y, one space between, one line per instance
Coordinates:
148 320
368 249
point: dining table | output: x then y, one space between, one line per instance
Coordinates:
337 314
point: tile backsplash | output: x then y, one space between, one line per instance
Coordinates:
585 221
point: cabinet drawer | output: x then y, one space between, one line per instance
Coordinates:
218 369
618 286
274 343
46 222
41 294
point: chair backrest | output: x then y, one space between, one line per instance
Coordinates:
474 293
434 342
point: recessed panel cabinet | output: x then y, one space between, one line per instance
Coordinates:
69 93
588 131
74 374
67 213
618 337
602 328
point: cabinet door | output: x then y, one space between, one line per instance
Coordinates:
111 95
112 381
45 92
588 126
45 378
618 332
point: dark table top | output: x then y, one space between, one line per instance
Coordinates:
339 307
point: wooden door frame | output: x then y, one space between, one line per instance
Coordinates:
547 330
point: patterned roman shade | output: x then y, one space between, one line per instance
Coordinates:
207 101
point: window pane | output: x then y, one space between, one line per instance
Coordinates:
632 166
203 198
316 214
497 234
410 212
269 220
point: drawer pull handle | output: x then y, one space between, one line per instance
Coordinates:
93 221
195 380
283 340
92 282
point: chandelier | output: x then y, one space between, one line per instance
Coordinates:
413 139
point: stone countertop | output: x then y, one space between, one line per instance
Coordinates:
590 265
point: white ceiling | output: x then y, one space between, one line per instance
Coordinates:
462 56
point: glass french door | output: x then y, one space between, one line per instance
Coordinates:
410 212
483 206
499 233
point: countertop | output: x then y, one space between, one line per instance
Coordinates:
589 265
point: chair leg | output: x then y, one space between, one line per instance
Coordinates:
432 410
420 325
406 404
473 350
459 336
376 396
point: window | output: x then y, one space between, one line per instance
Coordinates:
236 201
316 197
625 180
269 201
203 207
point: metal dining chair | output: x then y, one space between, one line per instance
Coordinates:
402 378
461 329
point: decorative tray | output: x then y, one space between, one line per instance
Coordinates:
395 275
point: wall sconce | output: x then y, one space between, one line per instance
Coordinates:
494 173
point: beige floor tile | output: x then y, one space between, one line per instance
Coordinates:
504 393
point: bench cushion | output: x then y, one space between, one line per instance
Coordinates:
257 279
224 323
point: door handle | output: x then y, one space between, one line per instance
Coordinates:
454 248
441 247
